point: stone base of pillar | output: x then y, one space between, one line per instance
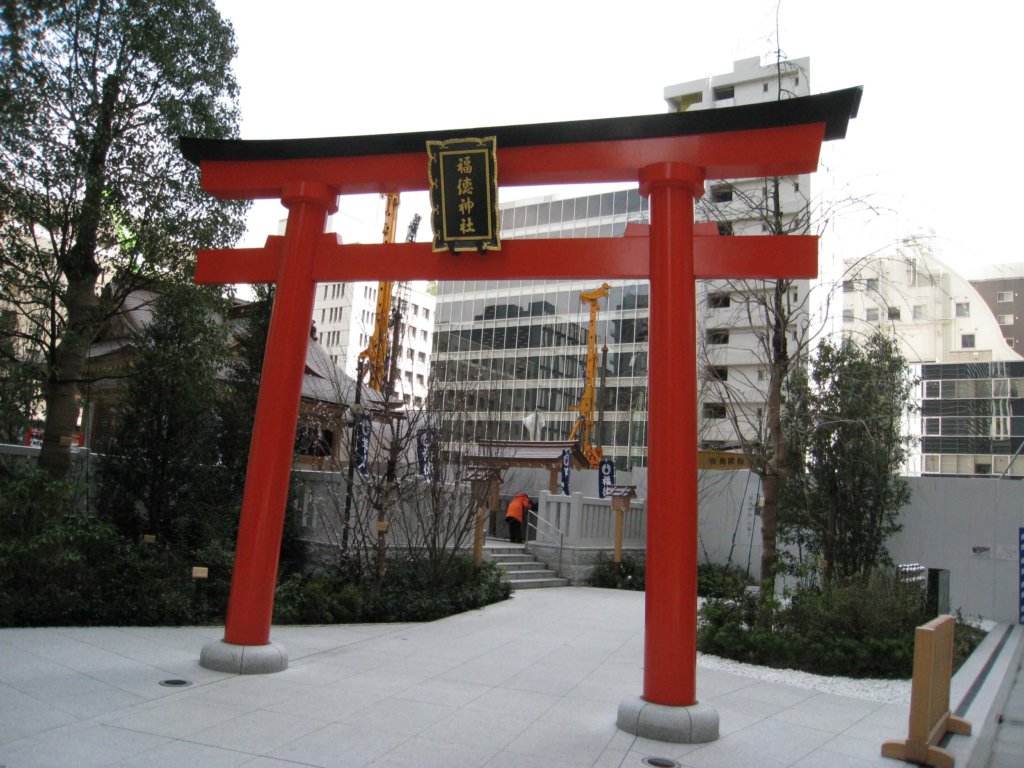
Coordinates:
696 724
244 659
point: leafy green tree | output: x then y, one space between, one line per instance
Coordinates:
845 417
95 197
161 474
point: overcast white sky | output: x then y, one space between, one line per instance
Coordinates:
936 145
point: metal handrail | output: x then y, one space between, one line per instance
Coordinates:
559 531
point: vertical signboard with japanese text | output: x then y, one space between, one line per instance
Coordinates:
464 194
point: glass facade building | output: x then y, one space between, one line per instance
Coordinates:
972 418
505 349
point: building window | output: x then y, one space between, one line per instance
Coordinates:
1009 343
764 87
963 309
718 300
932 426
421 356
714 410
967 341
1005 319
919 311
847 286
1004 296
762 374
894 313
871 315
721 193
725 228
717 337
847 315
723 92
932 389
718 373
871 284
426 313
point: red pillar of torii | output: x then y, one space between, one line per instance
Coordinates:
670 156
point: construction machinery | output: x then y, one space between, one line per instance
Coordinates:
376 354
583 430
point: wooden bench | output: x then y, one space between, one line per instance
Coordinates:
930 717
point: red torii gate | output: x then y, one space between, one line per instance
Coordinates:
671 156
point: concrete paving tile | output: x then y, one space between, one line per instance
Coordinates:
834 714
576 712
836 760
179 718
339 746
185 753
862 749
482 671
614 758
327 703
252 691
257 732
22 716
86 705
764 744
399 715
81 746
593 689
564 744
450 692
543 678
424 752
775 694
506 759
526 704
479 727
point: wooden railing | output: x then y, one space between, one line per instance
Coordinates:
930 717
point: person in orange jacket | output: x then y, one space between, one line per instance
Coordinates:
514 516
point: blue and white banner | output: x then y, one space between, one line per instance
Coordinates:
566 465
605 478
364 427
426 446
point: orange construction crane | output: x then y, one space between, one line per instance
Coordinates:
376 353
584 427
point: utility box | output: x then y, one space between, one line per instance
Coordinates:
937 600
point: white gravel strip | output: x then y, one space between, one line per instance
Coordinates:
890 691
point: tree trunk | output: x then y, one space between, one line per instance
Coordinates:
61 392
778 466
81 270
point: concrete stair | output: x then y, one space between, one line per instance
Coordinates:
522 570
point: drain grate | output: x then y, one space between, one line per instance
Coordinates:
175 683
660 762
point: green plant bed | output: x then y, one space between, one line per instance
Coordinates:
629 574
341 595
862 629
713 580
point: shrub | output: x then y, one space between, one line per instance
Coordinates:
629 574
81 571
336 594
864 628
714 580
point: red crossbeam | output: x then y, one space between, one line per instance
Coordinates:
603 258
